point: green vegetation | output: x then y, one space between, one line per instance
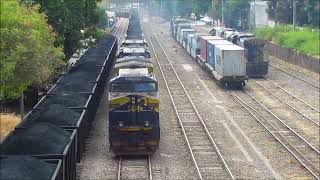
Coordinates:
27 52
68 17
304 39
307 12
38 35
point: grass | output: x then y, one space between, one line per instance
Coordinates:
304 39
7 123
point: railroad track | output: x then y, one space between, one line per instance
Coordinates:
309 75
134 168
301 149
314 82
206 156
120 31
291 101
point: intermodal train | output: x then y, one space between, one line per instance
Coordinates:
133 97
229 56
50 139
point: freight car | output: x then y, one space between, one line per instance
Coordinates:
256 65
57 126
176 23
221 59
134 113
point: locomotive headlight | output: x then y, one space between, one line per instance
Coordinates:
120 124
146 123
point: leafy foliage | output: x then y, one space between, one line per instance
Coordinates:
305 40
28 54
307 11
68 17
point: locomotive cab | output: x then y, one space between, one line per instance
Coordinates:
134 113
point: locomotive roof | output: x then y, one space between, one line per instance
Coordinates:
133 64
133 58
134 41
134 50
139 74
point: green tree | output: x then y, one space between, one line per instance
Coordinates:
27 51
68 17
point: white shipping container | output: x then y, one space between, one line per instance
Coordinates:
190 37
230 60
193 52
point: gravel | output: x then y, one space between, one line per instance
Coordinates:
26 168
40 138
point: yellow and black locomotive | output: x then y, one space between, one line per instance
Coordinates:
134 113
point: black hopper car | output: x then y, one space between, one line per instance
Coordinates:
49 141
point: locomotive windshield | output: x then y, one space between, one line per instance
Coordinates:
133 87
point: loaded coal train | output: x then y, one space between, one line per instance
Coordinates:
230 57
49 141
133 97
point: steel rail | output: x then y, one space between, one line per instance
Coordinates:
283 123
303 160
121 37
118 28
292 95
293 69
306 117
197 113
176 110
149 168
306 81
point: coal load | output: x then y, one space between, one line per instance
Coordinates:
40 138
55 114
77 85
68 100
25 168
87 75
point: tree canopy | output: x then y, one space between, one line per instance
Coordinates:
68 17
28 53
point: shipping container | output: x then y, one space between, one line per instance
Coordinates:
203 46
184 34
190 39
193 52
178 31
230 64
210 50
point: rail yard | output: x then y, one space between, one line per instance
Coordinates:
261 125
267 130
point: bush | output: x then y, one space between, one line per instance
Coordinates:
304 39
7 123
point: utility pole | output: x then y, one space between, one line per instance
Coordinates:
222 11
294 14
